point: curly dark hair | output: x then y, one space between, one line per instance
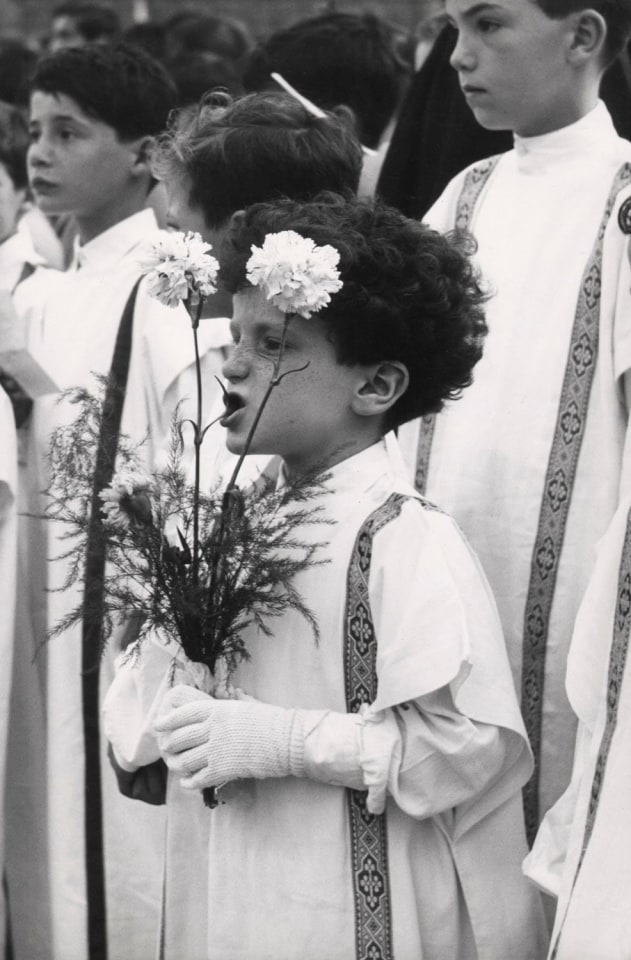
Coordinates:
410 294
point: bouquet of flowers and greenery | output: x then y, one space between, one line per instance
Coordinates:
196 566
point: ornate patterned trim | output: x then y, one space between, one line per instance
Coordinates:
615 676
557 494
369 840
474 183
426 429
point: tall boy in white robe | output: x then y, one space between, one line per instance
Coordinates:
375 808
94 114
532 461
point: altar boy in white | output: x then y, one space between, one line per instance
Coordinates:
532 461
373 806
94 114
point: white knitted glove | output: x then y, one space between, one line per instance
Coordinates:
207 742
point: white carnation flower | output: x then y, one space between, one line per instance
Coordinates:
293 273
179 267
126 496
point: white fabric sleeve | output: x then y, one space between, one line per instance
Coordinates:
428 756
424 754
144 674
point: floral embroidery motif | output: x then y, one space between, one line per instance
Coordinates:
624 216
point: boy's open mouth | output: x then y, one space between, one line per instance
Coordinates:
233 403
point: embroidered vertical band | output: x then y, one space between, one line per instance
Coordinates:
474 183
615 676
369 841
556 497
92 633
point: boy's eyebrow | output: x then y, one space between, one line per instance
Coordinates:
62 118
477 8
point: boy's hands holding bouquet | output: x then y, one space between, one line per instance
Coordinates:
208 741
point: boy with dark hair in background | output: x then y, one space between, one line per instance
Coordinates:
95 113
532 462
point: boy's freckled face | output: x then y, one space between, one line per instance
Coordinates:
11 200
76 163
511 63
308 420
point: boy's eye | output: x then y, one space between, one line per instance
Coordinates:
488 26
34 135
272 344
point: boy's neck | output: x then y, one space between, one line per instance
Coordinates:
343 451
578 108
98 221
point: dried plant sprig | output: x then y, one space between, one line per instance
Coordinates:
261 549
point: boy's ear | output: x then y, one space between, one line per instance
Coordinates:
143 149
382 384
588 36
236 219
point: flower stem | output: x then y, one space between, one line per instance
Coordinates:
197 445
274 381
228 500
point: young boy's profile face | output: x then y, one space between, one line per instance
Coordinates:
11 201
510 59
308 420
76 163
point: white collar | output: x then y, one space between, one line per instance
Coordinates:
359 472
592 134
106 249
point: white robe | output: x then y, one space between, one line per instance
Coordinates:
591 823
72 327
535 223
280 881
15 253
8 566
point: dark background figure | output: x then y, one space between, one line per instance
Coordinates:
75 23
360 62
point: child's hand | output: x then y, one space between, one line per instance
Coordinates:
208 742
